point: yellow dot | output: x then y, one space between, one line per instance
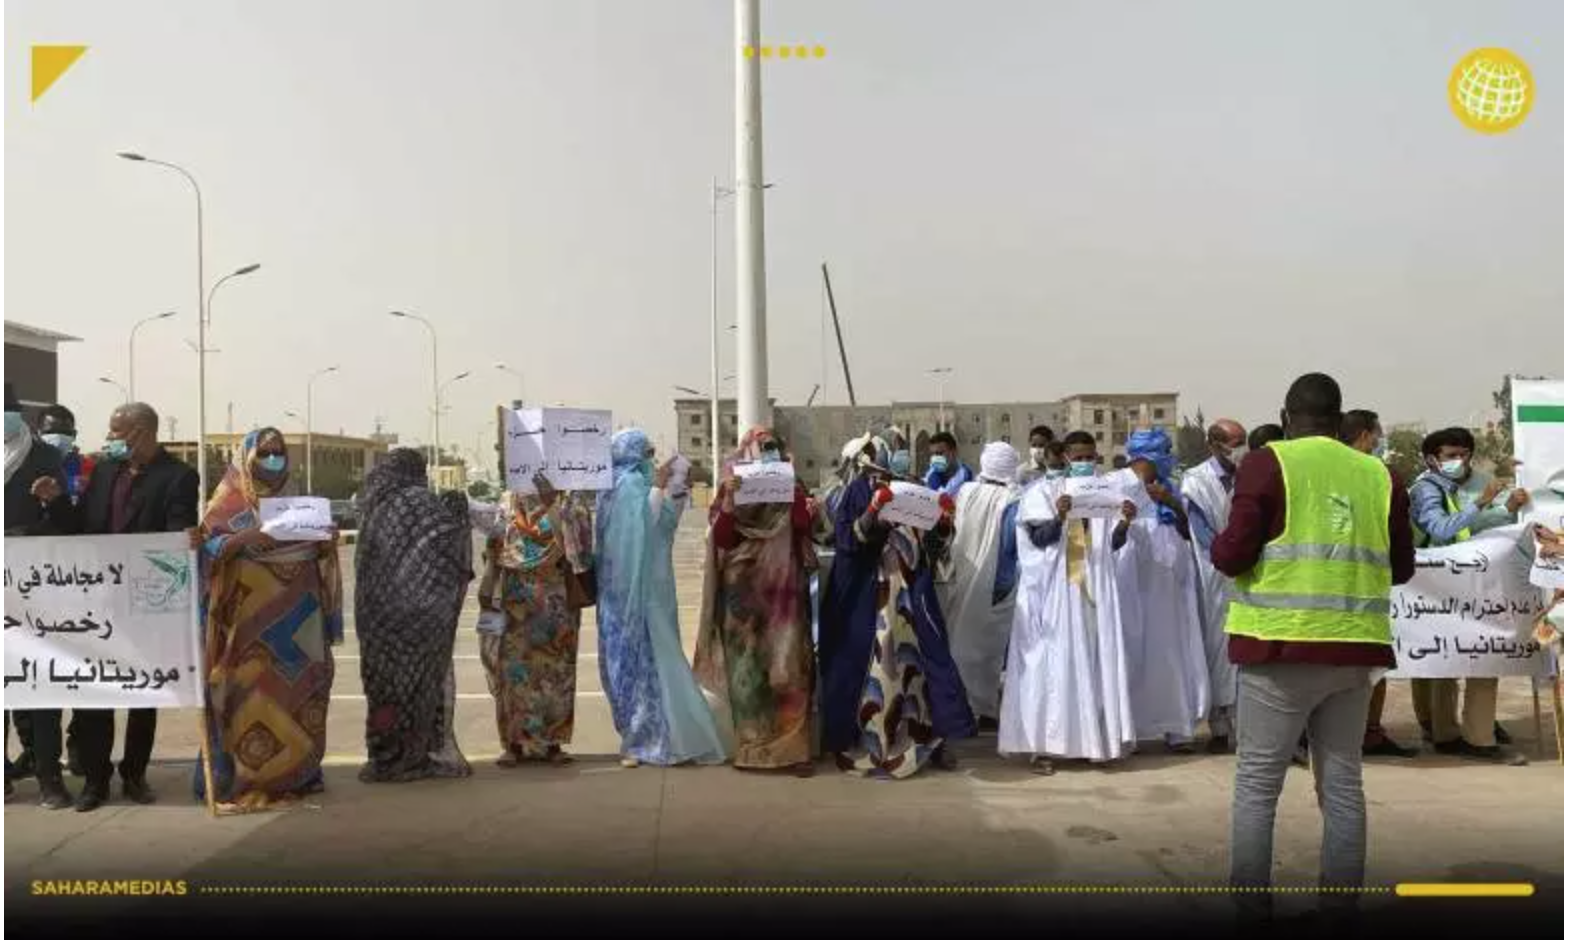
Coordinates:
768 52
784 52
818 51
801 52
746 52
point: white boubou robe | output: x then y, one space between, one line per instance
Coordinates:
1066 690
1208 498
1169 681
978 627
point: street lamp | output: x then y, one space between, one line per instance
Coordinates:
437 448
716 194
436 394
309 454
504 367
942 374
130 350
201 321
124 392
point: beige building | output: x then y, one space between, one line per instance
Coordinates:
817 434
339 466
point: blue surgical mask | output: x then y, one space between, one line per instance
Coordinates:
273 463
1055 473
940 463
1382 449
117 450
13 424
899 463
1454 469
771 457
60 442
646 468
1082 469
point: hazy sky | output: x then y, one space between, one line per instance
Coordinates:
1210 196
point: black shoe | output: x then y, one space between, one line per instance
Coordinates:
90 800
54 796
136 790
1497 755
23 767
1218 745
1385 747
73 762
1502 736
986 725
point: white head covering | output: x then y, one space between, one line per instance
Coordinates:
999 461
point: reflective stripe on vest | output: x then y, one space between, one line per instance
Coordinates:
1452 507
1327 577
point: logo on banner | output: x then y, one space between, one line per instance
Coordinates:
160 583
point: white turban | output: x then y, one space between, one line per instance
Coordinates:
999 462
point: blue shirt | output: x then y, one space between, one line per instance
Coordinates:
951 481
1008 556
1431 513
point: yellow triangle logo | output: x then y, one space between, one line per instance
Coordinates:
50 63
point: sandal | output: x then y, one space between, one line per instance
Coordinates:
1042 766
558 757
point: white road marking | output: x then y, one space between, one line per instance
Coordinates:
471 696
582 656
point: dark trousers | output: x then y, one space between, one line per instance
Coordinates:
95 738
24 728
39 731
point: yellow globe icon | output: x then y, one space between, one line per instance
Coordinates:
1491 91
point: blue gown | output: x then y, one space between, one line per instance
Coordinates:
656 704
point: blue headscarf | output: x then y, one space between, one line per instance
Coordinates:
629 449
1155 446
899 464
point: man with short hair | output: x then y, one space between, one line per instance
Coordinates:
1040 456
1318 535
1264 435
946 473
1207 496
1440 519
137 487
57 428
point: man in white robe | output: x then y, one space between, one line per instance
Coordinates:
1207 495
1169 678
1065 691
978 598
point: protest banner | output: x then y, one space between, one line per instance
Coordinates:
1098 498
570 446
101 622
1538 427
914 505
294 519
765 482
1469 611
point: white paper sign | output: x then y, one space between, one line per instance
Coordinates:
101 622
571 446
1538 430
1469 611
1097 497
1548 569
914 506
297 518
766 482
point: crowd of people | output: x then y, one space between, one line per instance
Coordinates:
1230 604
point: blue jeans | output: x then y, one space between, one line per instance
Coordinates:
1275 704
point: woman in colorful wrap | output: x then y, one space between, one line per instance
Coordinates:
270 612
532 665
655 702
412 568
754 649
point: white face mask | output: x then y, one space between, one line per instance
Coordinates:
1236 455
1038 457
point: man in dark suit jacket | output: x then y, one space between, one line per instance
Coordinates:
137 487
32 510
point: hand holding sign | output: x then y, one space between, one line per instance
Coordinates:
765 482
571 446
292 519
1096 498
913 505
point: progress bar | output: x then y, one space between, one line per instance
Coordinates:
1465 890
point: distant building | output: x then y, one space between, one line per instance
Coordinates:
32 363
340 463
815 435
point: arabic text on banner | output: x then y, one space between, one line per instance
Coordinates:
1097 497
765 482
1469 611
914 506
571 446
1539 433
101 622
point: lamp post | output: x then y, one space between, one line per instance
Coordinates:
504 367
436 386
942 375
437 453
310 456
130 351
201 322
124 392
716 194
752 349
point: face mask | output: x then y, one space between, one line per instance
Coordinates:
1038 456
1382 449
1055 473
646 468
117 450
1235 455
939 464
772 457
13 424
273 463
899 464
1454 469
60 442
1082 469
